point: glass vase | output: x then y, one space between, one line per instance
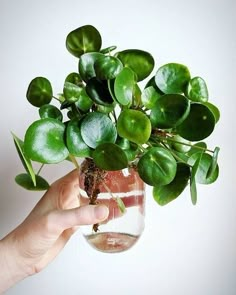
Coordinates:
123 192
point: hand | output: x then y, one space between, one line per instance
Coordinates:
43 234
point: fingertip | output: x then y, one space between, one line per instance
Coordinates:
101 212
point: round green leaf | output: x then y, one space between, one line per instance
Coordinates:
170 111
106 109
107 67
157 167
25 181
197 147
97 128
109 156
203 167
141 62
197 90
180 144
172 78
198 125
215 111
86 65
166 193
74 141
149 97
108 49
39 92
84 103
98 91
44 141
82 40
74 78
50 111
71 92
124 86
134 125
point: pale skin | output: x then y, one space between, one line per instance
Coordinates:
42 235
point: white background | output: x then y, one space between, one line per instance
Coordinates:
185 249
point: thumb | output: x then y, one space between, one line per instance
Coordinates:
89 214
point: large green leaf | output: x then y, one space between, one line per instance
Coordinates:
74 140
39 92
97 128
50 111
83 39
25 181
134 125
170 111
98 91
215 111
109 156
124 86
198 125
107 67
86 65
19 144
141 62
167 193
172 78
44 141
157 167
197 90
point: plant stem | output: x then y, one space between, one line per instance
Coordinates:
56 98
74 161
40 168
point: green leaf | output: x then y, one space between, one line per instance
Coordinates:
74 141
50 111
19 144
213 165
84 103
39 92
83 39
141 62
215 111
193 187
74 78
25 181
71 92
109 156
149 97
44 141
124 86
107 67
134 126
86 65
180 144
170 111
120 204
172 78
197 147
205 161
157 167
108 49
167 193
197 90
98 91
97 128
198 125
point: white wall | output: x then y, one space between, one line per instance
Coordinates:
184 249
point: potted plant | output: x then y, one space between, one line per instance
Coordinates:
129 133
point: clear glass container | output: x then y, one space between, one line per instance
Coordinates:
123 192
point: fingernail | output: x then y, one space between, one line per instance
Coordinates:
101 212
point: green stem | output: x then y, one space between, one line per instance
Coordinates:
40 168
74 161
56 98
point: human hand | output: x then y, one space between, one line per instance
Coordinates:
43 234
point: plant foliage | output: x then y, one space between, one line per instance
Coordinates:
103 112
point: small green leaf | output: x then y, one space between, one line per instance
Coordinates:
141 62
172 78
167 193
108 49
124 86
71 92
107 67
215 111
25 181
44 141
39 92
197 90
134 126
97 128
74 78
157 167
149 97
198 125
98 91
213 165
197 147
50 111
193 187
84 103
83 39
109 156
86 65
19 144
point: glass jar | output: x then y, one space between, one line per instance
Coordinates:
123 192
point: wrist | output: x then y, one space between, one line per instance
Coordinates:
13 269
